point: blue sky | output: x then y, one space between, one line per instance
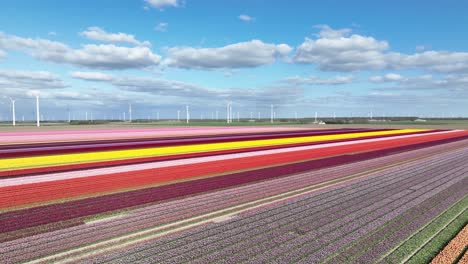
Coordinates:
343 57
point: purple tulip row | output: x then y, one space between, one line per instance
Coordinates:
364 220
374 213
437 202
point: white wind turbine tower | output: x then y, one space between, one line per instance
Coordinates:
315 122
271 114
178 115
229 112
38 114
130 112
38 122
187 113
13 112
69 114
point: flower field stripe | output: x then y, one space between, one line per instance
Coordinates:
139 168
204 202
40 192
44 161
184 188
105 134
99 164
169 138
145 210
40 149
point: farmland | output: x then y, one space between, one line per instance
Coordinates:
241 194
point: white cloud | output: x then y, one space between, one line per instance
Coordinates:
162 27
438 61
91 76
2 54
315 80
30 80
104 56
329 33
336 50
52 33
390 77
339 50
246 18
163 3
239 55
99 34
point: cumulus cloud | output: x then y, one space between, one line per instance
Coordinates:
161 27
239 55
91 76
340 50
2 54
246 18
337 50
104 56
30 80
163 3
315 80
99 34
394 82
438 61
390 77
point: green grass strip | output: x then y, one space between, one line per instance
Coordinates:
424 245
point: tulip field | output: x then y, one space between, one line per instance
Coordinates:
232 195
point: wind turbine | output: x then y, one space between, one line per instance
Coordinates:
187 113
13 111
178 115
271 114
130 112
229 112
38 120
69 114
